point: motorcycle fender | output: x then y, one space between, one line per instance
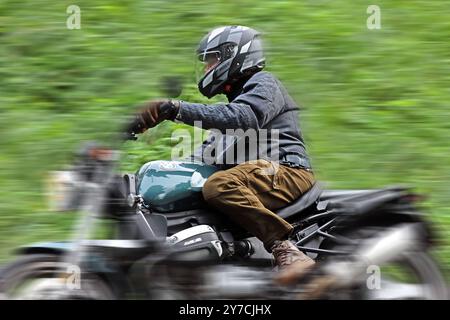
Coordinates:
45 247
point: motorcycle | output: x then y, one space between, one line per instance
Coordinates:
166 243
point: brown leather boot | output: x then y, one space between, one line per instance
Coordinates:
291 262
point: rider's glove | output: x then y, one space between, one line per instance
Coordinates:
153 113
169 109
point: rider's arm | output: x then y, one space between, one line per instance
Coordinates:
260 101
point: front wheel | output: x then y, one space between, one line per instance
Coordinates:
45 277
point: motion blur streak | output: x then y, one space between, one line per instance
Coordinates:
374 105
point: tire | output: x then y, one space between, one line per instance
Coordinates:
420 266
45 272
427 272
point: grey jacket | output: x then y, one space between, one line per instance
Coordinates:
260 121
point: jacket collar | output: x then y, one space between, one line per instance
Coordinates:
237 87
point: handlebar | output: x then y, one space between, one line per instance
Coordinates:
131 129
129 136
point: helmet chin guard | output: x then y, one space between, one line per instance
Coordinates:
239 52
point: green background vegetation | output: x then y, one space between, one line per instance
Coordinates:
375 102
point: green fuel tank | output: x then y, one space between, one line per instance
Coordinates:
172 186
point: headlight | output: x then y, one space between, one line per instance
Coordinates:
63 191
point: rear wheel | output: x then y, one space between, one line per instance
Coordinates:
414 276
411 275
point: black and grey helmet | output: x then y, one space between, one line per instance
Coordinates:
238 51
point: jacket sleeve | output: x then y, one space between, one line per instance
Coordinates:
259 103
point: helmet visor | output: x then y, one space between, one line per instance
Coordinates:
205 62
209 57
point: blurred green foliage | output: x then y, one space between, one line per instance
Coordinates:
375 102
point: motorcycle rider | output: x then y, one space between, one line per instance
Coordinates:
248 189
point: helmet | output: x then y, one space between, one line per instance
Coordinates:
238 53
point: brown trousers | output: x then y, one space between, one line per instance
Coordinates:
249 191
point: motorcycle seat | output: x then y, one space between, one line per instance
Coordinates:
305 201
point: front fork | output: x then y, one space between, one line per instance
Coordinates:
90 211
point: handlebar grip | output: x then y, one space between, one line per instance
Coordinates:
133 127
129 136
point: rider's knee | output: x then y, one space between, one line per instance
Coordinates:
219 183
